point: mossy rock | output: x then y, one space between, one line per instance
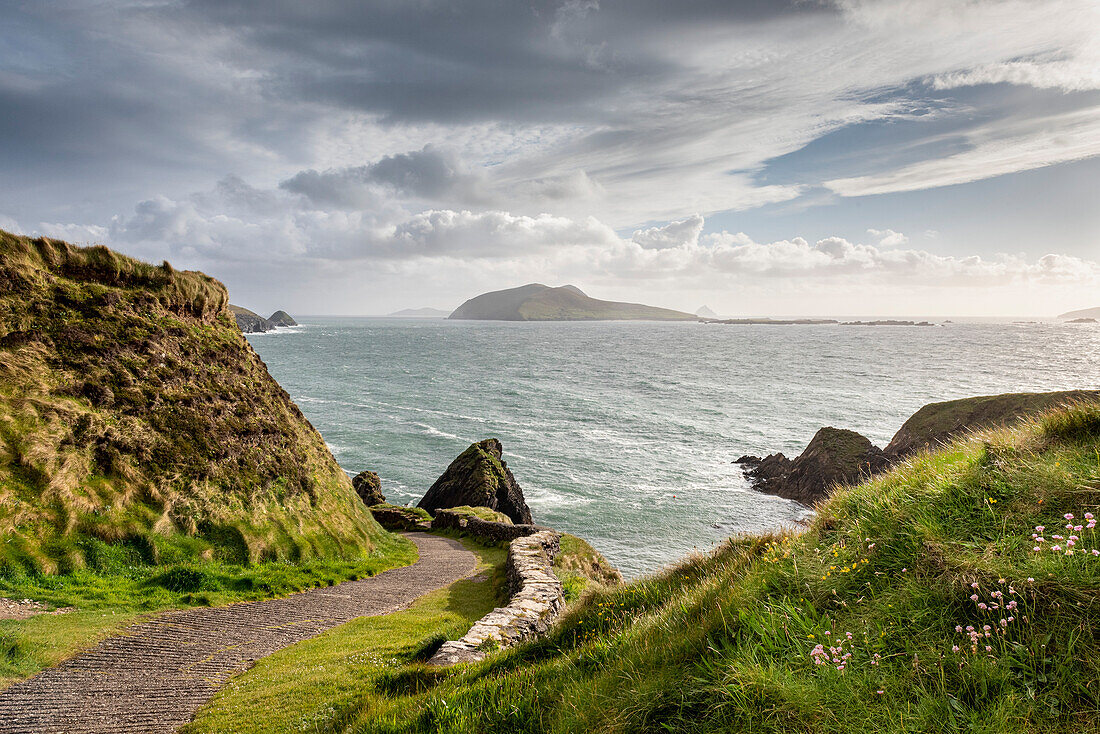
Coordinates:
482 513
479 477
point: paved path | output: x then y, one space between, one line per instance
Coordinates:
155 675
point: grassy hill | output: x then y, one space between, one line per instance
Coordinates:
537 302
1084 313
936 424
915 602
133 413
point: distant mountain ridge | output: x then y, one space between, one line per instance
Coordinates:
538 302
420 313
1084 313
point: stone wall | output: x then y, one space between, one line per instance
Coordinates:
392 518
484 529
536 602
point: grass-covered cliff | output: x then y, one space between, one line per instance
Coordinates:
947 595
133 413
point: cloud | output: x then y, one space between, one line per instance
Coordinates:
279 226
888 237
428 174
631 112
673 234
993 150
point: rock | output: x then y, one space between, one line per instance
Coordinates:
369 488
250 322
834 456
762 472
479 477
281 318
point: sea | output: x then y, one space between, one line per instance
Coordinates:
625 433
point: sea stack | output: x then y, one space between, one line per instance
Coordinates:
281 318
369 488
479 477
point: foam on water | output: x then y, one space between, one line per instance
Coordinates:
624 433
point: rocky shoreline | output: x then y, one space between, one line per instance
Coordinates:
836 456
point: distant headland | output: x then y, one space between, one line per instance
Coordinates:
420 313
1085 313
250 322
538 302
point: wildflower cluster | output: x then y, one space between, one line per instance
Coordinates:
834 654
778 550
1002 611
1067 544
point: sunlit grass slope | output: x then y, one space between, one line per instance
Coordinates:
133 412
915 602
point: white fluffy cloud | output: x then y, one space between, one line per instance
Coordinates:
238 224
888 237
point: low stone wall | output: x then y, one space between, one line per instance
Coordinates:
492 531
536 602
395 519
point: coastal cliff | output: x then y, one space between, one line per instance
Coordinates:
839 456
133 410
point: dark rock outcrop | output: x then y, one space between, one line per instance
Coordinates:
479 477
281 318
249 322
837 456
369 488
834 456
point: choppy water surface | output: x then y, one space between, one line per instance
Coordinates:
624 433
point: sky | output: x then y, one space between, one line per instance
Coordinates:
809 158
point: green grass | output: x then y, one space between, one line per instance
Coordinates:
579 566
123 589
413 513
725 642
312 685
481 513
133 410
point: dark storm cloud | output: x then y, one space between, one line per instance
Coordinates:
484 60
427 174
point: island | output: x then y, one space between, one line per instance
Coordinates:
419 313
538 302
1084 313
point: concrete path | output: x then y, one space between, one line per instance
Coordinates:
155 675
